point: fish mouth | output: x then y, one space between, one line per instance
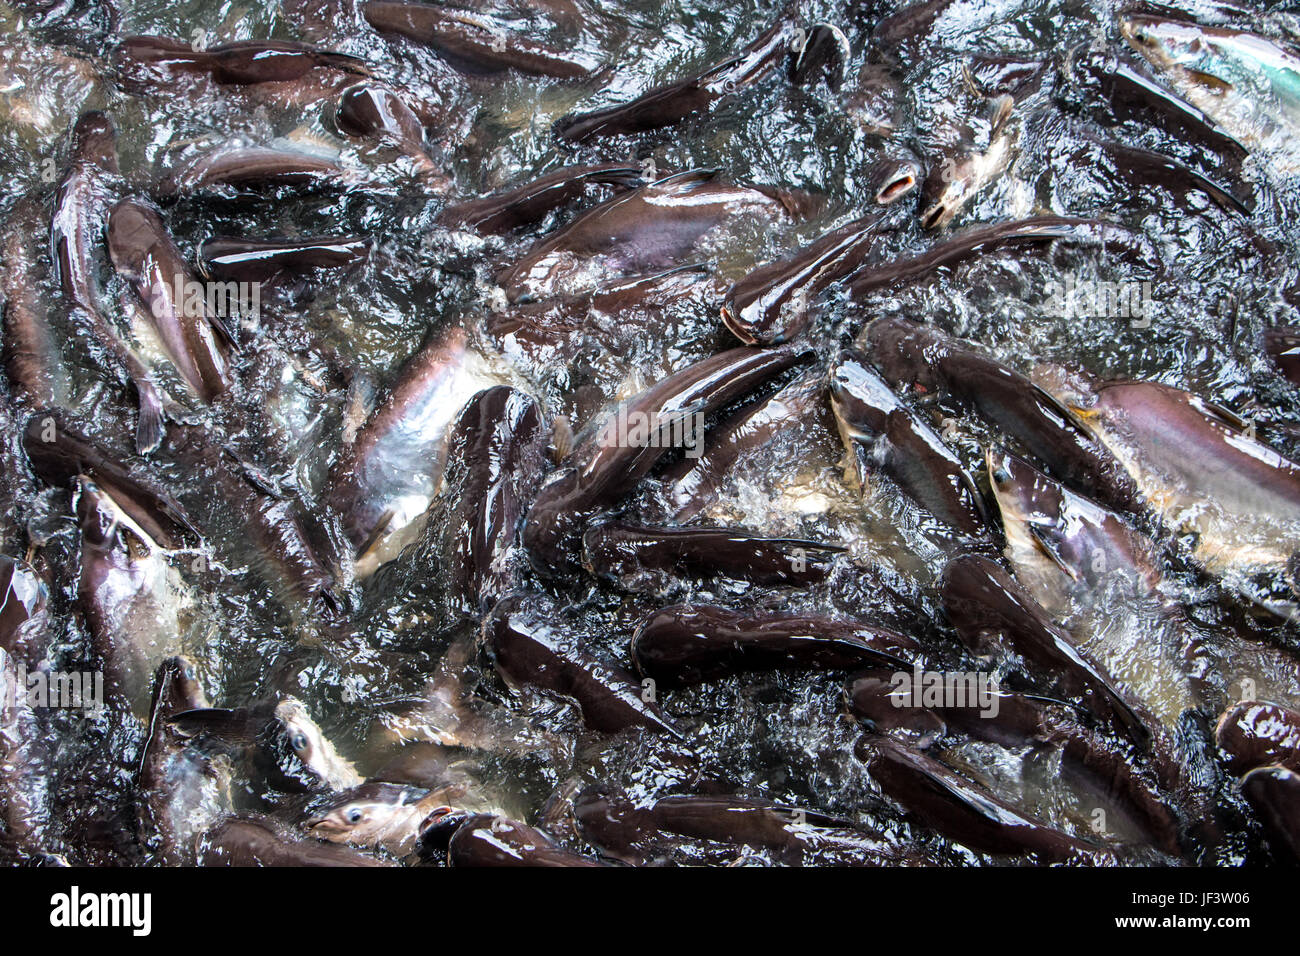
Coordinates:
940 214
897 187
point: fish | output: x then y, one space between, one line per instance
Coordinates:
642 230
674 102
880 432
194 334
986 606
255 840
277 738
909 355
1114 240
648 831
230 171
266 260
382 484
524 637
771 304
1143 167
473 42
637 557
966 813
822 52
521 206
142 60
607 464
693 484
1015 721
375 111
24 611
133 601
184 792
1201 469
1131 93
497 456
1254 733
377 814
492 840
59 451
81 209
962 170
689 644
32 357
1244 82
1274 794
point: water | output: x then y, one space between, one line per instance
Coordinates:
309 360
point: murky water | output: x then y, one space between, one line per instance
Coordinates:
321 350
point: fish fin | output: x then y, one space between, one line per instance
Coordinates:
1051 552
344 61
689 176
230 725
149 424
1215 84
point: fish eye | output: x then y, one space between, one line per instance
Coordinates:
1001 475
298 741
354 815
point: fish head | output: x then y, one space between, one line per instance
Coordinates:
1173 45
105 526
303 753
1032 505
892 179
94 140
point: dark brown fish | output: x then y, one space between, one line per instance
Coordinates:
695 483
380 113
229 171
192 330
633 555
81 209
474 42
497 458
910 355
525 638
674 102
1113 239
881 433
491 840
964 812
265 260
771 304
648 832
59 452
985 604
24 599
1274 794
644 230
527 204
1254 733
32 359
613 459
258 841
143 59
687 644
